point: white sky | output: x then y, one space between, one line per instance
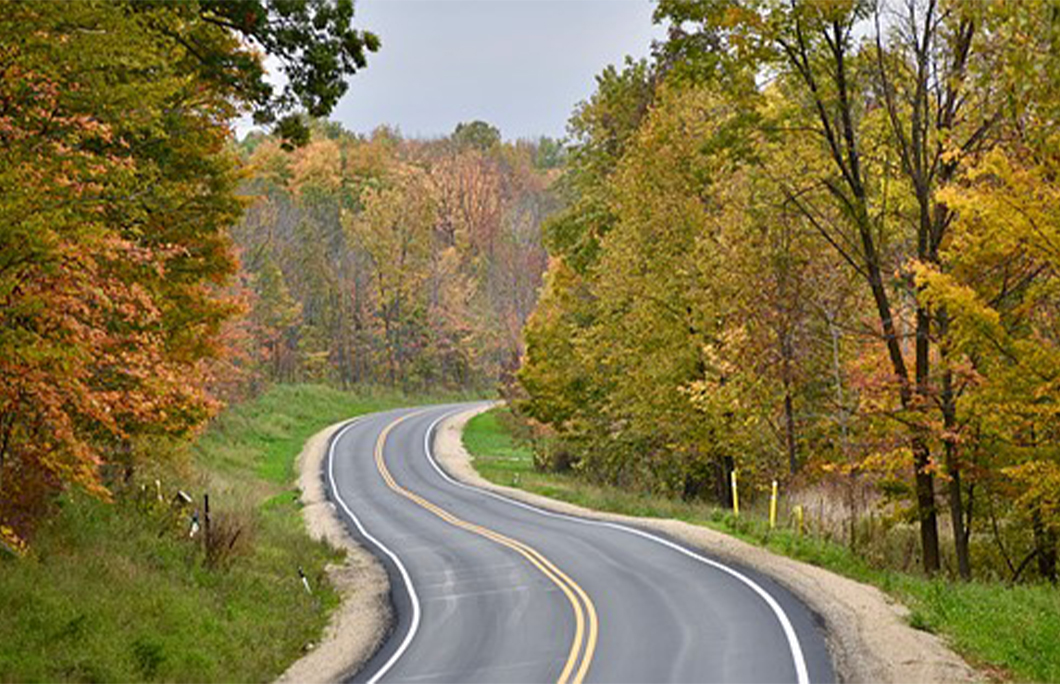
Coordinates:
520 65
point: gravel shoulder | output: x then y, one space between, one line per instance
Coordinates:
361 621
867 632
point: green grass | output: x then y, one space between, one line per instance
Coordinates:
274 427
113 592
1011 632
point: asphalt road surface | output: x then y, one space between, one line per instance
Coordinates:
491 590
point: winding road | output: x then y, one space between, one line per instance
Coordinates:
487 589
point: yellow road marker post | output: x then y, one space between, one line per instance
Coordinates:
798 519
773 507
735 496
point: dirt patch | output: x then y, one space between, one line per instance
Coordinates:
361 621
867 632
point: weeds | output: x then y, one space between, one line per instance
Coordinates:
227 537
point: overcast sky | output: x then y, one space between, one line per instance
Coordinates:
521 65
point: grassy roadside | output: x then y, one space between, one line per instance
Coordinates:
1010 632
116 592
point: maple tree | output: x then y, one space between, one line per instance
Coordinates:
999 287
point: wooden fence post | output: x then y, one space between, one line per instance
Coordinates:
206 524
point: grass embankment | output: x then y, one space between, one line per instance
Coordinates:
117 592
1010 631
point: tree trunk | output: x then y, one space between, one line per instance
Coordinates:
925 481
837 370
961 533
925 497
789 428
725 466
1045 545
7 422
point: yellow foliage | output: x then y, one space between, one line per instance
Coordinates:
12 541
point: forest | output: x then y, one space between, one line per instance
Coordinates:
811 242
382 260
154 270
817 243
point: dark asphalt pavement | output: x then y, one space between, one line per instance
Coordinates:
502 592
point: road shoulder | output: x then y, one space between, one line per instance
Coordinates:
867 634
359 624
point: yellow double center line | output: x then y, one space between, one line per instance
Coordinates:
585 630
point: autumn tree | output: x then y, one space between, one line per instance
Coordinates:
477 135
998 289
394 230
558 382
600 129
932 69
119 187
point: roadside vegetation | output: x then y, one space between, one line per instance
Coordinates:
119 592
1008 631
118 311
817 243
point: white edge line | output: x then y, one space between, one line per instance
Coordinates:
414 626
801 673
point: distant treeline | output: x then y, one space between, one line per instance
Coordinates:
379 259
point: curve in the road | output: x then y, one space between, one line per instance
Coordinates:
801 671
574 593
662 619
